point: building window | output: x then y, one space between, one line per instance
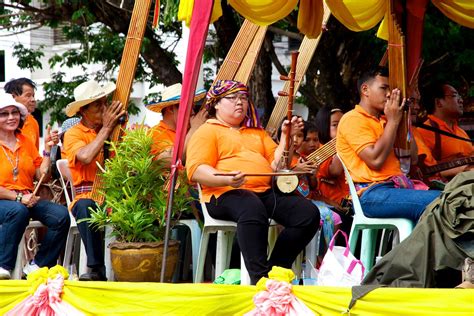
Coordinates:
2 65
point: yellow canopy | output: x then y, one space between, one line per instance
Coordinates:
356 15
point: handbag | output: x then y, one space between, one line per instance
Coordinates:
339 266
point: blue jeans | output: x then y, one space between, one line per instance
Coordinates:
14 217
385 201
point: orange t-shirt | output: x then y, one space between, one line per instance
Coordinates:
28 161
356 131
332 188
163 138
422 148
450 147
31 130
249 150
76 138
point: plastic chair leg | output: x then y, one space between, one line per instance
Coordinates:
17 271
312 254
244 274
367 251
223 251
109 272
201 257
353 237
195 240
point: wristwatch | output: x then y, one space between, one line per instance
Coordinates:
19 196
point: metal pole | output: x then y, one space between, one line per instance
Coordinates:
169 206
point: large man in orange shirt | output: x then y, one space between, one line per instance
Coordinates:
83 144
445 106
165 132
365 139
23 90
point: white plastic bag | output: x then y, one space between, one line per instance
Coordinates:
339 266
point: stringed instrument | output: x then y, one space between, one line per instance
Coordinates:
424 172
124 83
288 183
307 48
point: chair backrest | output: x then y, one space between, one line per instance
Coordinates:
65 179
353 191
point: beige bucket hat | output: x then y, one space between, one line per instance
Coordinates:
87 92
171 95
7 100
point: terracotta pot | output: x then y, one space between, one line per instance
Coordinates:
141 262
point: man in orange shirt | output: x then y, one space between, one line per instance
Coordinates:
445 106
84 144
23 90
365 139
165 132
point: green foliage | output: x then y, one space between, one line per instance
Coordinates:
135 198
28 58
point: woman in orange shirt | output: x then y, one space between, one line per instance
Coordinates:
233 141
21 164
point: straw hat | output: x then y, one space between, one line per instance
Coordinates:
7 100
171 95
87 92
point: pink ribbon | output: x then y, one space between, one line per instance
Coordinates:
278 299
46 301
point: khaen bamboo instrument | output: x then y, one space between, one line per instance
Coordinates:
398 79
125 78
307 48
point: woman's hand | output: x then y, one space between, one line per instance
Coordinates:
29 200
51 138
296 126
237 180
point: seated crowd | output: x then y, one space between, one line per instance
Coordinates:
224 144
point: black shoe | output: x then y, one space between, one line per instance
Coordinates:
93 276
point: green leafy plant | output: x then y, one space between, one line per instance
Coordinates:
135 191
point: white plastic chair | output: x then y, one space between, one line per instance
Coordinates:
193 226
65 177
225 235
20 258
369 226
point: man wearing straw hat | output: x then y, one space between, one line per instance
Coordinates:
83 145
165 132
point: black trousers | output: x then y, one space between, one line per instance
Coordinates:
253 211
93 239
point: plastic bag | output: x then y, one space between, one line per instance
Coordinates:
339 266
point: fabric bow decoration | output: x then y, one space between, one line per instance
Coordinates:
47 286
276 296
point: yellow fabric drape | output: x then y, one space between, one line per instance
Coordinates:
123 298
310 17
263 12
358 15
185 11
460 11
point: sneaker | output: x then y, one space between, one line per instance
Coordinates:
30 267
5 274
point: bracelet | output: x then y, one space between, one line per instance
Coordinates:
19 197
46 153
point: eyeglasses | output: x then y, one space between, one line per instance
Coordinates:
234 97
6 114
454 96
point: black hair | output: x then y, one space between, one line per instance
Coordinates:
370 75
323 120
20 125
432 92
15 86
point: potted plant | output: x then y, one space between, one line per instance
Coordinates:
135 209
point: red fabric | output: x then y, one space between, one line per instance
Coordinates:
415 14
197 38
